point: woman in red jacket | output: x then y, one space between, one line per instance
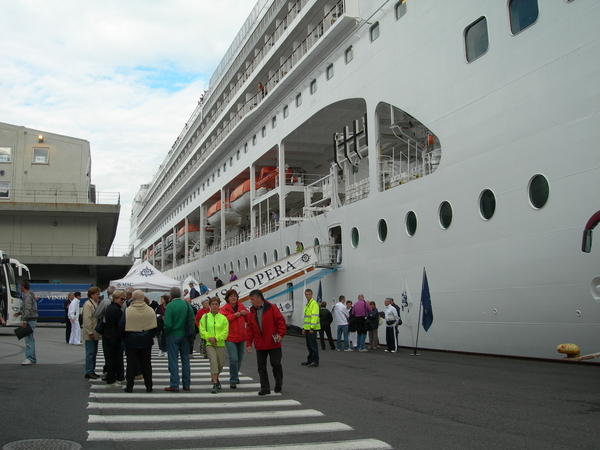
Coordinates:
236 314
266 328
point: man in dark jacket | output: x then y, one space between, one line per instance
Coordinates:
266 328
111 339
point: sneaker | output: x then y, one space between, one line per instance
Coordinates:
116 384
349 350
337 349
313 365
91 376
232 386
27 362
215 389
363 350
139 377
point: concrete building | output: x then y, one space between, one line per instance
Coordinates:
51 217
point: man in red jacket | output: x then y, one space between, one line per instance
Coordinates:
266 328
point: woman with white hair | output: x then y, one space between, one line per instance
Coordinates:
139 325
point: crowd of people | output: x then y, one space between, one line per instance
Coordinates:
127 323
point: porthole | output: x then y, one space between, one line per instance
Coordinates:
275 255
263 131
218 270
298 100
382 230
274 122
476 39
287 250
286 111
354 237
239 265
316 241
255 261
254 140
523 14
313 87
445 214
374 31
487 204
349 54
213 272
264 258
224 268
246 263
400 9
329 71
411 223
230 266
539 190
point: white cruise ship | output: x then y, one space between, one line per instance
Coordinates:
460 137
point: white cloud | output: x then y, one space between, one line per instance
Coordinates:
124 75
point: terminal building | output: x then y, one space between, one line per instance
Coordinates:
51 217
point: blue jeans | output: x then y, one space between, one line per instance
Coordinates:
235 350
342 329
313 348
30 343
91 350
360 340
179 345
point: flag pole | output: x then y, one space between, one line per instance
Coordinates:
412 336
414 353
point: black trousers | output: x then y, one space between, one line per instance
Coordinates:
274 355
113 356
143 356
391 338
326 330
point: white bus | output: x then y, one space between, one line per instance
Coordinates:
10 294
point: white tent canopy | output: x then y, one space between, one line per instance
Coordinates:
145 276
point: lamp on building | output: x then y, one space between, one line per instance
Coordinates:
40 138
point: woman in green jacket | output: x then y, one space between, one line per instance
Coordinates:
214 328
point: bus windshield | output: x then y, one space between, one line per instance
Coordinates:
12 280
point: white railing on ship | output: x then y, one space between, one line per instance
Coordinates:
313 36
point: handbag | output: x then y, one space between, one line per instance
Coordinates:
21 332
100 326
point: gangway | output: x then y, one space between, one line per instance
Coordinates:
281 271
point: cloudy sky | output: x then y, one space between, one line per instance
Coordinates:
123 74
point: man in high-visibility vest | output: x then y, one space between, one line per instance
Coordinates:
309 329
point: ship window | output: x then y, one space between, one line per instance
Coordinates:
264 258
254 140
445 214
40 156
523 14
239 265
539 191
476 39
224 268
487 204
275 255
400 9
298 100
213 272
274 122
411 223
354 237
316 242
349 54
237 155
231 161
255 261
374 31
5 154
246 148
246 263
230 266
218 270
224 167
218 172
330 71
263 132
382 230
4 189
287 250
313 87
286 111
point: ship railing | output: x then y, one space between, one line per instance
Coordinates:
357 191
236 116
243 236
54 249
60 196
329 255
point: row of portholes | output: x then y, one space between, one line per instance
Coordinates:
265 260
538 189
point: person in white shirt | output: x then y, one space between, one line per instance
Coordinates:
341 314
73 315
391 331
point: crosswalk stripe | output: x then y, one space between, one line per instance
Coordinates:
187 395
216 405
206 385
161 418
156 435
357 444
155 380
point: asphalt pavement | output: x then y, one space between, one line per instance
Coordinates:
434 401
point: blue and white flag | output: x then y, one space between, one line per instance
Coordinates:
320 294
427 319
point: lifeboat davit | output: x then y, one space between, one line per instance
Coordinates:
213 215
193 233
169 246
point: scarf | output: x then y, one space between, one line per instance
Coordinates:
139 317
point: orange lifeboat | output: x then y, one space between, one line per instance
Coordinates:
268 177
